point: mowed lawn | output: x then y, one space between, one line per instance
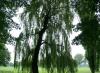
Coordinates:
84 70
11 70
6 69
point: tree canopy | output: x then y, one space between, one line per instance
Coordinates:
47 25
89 25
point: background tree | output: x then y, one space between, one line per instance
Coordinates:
7 11
5 23
79 58
4 55
89 25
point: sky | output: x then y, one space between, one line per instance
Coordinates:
75 49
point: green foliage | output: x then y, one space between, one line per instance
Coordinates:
90 28
4 55
78 58
57 16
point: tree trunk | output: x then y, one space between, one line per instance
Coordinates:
37 49
91 65
97 62
92 60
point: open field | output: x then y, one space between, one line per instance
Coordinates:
6 69
84 70
11 70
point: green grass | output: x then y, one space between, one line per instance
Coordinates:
42 70
6 69
84 70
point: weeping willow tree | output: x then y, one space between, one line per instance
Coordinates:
47 23
90 27
4 20
7 11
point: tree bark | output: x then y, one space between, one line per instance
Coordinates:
37 49
97 62
92 62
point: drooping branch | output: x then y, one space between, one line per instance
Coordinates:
49 44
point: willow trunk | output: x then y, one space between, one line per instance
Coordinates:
37 49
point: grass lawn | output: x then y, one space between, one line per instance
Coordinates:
6 69
84 70
11 70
